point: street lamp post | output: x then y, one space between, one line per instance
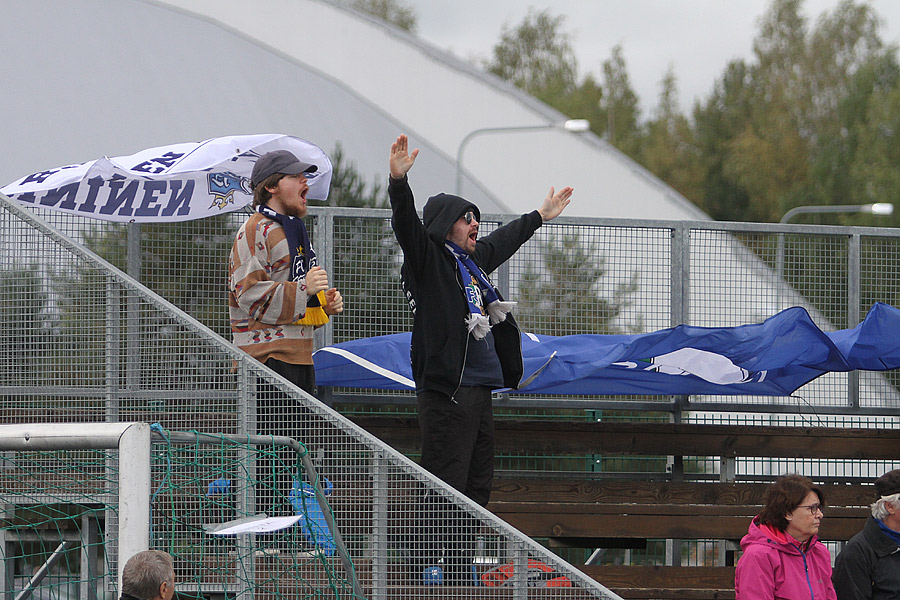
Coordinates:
572 126
877 208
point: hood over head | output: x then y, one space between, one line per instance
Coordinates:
442 211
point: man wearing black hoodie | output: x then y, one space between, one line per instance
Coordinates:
465 341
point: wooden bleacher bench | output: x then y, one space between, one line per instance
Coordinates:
606 510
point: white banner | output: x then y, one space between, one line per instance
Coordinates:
180 182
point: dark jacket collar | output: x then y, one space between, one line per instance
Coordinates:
881 544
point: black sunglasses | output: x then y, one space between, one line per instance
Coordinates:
470 216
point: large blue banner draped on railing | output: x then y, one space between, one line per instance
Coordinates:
772 358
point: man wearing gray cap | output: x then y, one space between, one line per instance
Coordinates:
869 565
277 292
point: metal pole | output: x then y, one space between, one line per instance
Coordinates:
572 125
42 571
134 494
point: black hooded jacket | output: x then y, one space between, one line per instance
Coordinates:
868 568
434 289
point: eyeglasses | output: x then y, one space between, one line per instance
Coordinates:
813 508
469 216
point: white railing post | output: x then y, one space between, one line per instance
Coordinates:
134 494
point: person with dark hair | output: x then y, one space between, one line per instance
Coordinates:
148 575
278 293
465 341
782 556
868 568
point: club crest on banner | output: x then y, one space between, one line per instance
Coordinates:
223 186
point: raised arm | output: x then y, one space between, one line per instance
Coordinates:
554 203
408 228
401 161
497 247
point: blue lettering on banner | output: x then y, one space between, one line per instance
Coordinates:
89 205
158 164
122 196
183 200
41 176
151 189
125 198
67 191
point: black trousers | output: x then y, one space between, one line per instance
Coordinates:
278 414
458 439
458 448
303 376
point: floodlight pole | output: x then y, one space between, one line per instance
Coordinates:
572 126
877 208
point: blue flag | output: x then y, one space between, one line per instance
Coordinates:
772 358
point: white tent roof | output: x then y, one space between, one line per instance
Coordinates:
111 77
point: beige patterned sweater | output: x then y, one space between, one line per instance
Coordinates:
262 303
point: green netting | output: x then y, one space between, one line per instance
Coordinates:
59 518
53 508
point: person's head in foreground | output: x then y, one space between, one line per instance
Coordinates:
148 575
887 508
279 180
794 505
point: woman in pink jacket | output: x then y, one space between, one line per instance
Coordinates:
782 557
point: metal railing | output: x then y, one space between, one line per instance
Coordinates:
83 341
110 322
629 275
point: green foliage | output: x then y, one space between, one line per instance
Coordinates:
537 56
810 118
786 130
26 325
563 296
395 12
366 258
348 187
670 148
174 258
534 57
621 105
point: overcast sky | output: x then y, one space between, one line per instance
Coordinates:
696 37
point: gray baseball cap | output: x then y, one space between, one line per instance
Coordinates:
278 161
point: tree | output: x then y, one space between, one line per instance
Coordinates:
348 188
851 69
175 257
669 148
563 297
27 326
621 105
874 175
366 257
535 56
783 131
394 12
716 123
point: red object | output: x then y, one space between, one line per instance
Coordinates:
539 575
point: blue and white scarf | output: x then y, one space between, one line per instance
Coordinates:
303 258
480 292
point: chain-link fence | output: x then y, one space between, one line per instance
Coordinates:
575 276
84 342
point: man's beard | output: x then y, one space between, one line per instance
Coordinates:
296 211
